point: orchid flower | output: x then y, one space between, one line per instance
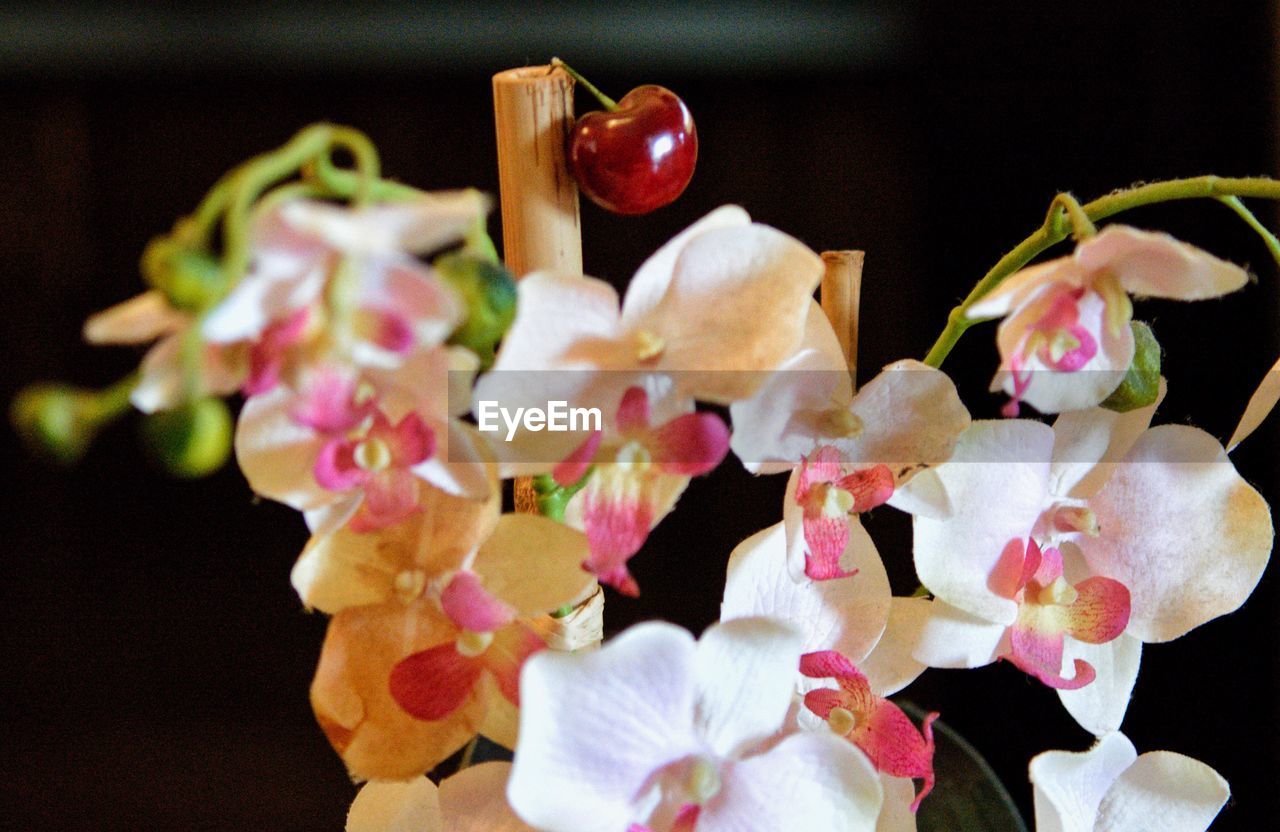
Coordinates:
341 284
473 800
149 317
854 616
425 650
846 453
641 469
1110 788
1065 342
657 732
872 723
358 447
713 311
1056 528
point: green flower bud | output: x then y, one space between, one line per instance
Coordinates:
56 420
489 293
1141 385
192 440
191 280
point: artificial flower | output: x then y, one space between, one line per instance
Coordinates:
358 447
433 655
1065 341
874 724
640 470
846 453
657 732
714 310
1110 788
1159 511
162 379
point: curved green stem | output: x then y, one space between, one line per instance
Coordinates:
1052 232
1273 244
1081 225
607 102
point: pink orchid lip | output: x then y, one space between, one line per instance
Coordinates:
267 354
1095 610
829 497
622 501
875 725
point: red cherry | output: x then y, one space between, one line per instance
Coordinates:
636 155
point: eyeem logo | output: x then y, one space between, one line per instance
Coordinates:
557 417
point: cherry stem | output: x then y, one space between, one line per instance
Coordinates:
608 103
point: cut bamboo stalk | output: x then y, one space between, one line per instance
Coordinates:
541 230
840 296
533 111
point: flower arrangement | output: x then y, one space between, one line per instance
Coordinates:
396 373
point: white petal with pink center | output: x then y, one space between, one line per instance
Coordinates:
1161 513
655 723
1065 342
1111 789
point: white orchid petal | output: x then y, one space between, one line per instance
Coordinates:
890 667
1261 403
596 726
1100 706
1088 444
807 782
1069 786
998 481
745 676
276 454
937 634
1154 264
896 814
1181 529
1166 791
138 320
413 806
846 614
652 280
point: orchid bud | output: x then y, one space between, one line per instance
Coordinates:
489 293
192 280
192 440
56 420
1141 385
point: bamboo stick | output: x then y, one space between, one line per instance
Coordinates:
840 295
533 111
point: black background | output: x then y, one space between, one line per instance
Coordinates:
155 660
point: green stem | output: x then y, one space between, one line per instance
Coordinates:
111 402
1081 225
608 103
1273 244
1053 231
342 184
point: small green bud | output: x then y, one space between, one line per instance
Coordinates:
488 291
192 280
56 420
1141 385
192 440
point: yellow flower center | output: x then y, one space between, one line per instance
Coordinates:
841 422
703 782
409 584
471 644
649 345
1058 594
373 455
842 721
831 500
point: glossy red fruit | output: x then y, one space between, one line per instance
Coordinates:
638 157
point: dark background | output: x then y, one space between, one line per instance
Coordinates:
155 660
